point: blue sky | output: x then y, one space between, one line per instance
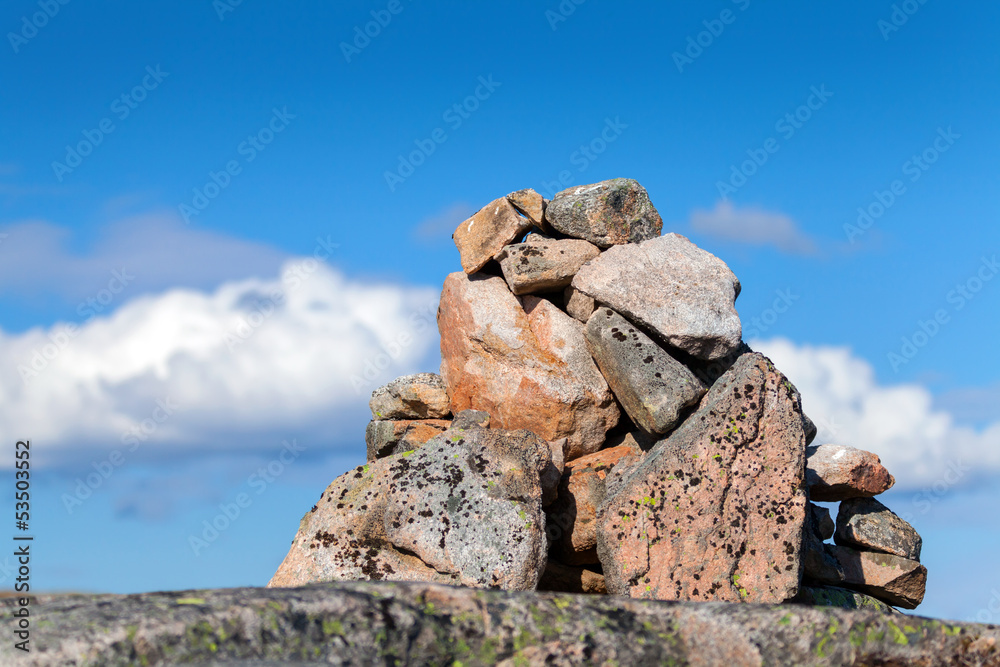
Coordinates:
759 130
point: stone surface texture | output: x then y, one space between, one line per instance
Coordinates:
387 437
899 581
365 623
865 523
836 473
654 388
527 367
578 305
674 289
544 266
530 204
483 235
418 396
606 213
465 508
717 510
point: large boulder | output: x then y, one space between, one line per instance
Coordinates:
606 213
679 292
835 473
544 265
418 396
653 387
528 367
715 511
483 235
466 508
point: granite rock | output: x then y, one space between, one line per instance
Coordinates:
835 473
485 234
386 437
607 213
419 396
865 523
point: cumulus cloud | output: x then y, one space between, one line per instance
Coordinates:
753 226
187 370
919 443
40 258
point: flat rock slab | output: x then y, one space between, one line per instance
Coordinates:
365 623
865 523
684 295
653 387
544 266
899 581
716 511
527 367
606 213
386 437
418 396
464 508
836 473
483 235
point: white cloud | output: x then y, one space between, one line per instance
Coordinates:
753 226
38 258
918 443
252 357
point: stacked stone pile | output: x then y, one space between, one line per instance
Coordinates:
599 426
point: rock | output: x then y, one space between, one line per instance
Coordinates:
530 204
811 430
466 508
836 473
578 305
606 213
471 419
717 510
559 577
528 368
419 396
551 476
653 387
386 437
485 234
544 266
822 524
831 596
898 581
679 292
867 524
571 520
366 623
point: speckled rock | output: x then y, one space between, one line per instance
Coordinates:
606 213
527 367
567 579
654 388
836 473
465 508
483 235
471 419
677 291
366 623
572 518
386 437
865 523
530 204
578 305
418 396
899 581
715 511
544 266
832 596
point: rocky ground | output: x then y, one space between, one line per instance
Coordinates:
363 623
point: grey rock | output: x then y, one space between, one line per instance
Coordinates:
366 623
865 523
418 396
811 429
544 266
578 305
465 508
679 292
606 213
471 419
652 386
822 523
386 437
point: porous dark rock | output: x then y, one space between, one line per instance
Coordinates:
606 213
465 508
417 396
366 623
715 511
865 523
674 289
654 388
